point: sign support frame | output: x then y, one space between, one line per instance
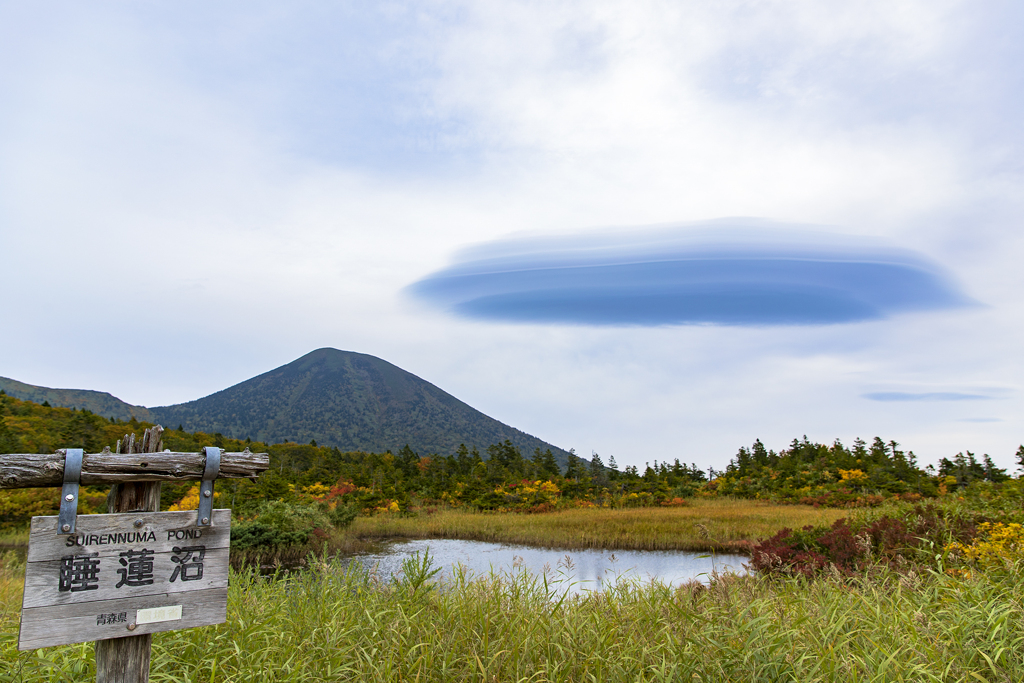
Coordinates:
69 491
126 660
136 468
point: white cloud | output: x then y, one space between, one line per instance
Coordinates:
273 178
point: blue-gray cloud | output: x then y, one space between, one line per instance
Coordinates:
928 396
732 272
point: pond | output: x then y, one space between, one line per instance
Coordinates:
575 570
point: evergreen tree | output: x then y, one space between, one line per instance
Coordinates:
573 468
965 468
760 455
993 473
597 471
408 462
879 453
742 462
463 460
544 464
505 459
859 452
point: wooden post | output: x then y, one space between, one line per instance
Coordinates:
126 660
55 611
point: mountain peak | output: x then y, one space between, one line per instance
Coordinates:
354 401
351 400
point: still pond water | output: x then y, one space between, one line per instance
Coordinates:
575 570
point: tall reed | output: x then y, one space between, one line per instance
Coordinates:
335 624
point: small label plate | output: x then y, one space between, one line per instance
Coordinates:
157 614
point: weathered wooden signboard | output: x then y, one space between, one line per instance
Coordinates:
118 578
124 574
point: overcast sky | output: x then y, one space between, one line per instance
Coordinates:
579 218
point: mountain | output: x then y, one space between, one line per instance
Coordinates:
99 402
354 401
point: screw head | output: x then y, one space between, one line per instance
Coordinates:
137 523
66 527
206 520
206 494
131 627
70 497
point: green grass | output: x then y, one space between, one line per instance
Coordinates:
328 625
705 524
13 538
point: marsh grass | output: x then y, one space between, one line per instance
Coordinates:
335 624
719 524
13 538
707 524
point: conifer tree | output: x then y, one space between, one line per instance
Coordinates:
759 453
572 469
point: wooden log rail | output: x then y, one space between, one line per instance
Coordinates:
26 470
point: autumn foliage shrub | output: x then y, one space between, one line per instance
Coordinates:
19 506
851 547
998 546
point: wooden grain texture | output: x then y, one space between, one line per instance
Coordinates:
126 660
84 622
24 470
41 580
104 614
102 533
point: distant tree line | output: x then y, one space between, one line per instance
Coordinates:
500 478
833 474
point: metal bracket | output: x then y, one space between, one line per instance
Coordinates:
210 473
69 492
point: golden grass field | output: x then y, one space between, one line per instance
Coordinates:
705 524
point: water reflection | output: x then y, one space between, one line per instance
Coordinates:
575 570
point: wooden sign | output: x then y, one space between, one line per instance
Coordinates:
124 575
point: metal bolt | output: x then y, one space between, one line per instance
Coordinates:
206 494
206 520
137 523
131 627
70 497
66 527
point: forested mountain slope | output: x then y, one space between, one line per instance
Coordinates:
353 401
99 402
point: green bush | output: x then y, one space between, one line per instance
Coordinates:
343 515
278 524
256 534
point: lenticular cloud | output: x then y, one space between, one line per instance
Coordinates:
730 272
